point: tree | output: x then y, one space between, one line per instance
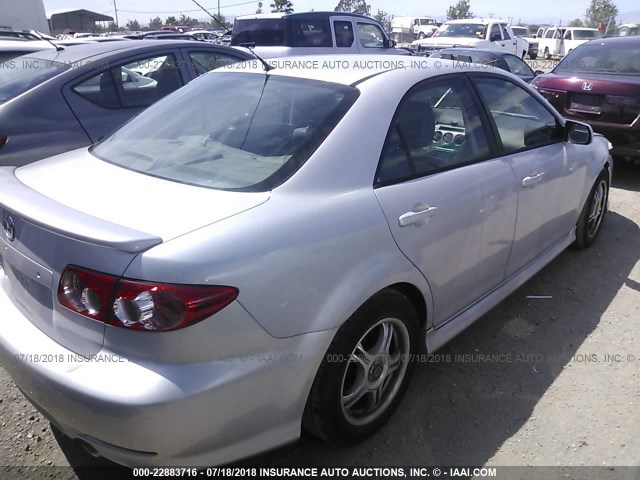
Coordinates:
462 9
284 6
534 28
187 21
133 26
576 23
218 22
155 23
601 13
171 20
383 18
354 6
259 9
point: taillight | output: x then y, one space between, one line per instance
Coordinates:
3 140
140 305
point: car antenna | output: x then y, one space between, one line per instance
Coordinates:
250 46
58 48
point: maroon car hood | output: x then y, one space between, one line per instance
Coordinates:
603 84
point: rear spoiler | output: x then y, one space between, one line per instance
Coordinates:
65 221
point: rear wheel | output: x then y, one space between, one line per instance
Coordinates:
547 55
593 213
365 372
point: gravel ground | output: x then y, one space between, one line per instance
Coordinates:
565 390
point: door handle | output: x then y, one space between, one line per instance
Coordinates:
418 214
532 180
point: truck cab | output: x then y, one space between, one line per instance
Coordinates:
312 33
491 34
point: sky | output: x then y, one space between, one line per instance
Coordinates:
520 11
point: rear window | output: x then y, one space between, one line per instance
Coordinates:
24 73
264 32
230 131
603 57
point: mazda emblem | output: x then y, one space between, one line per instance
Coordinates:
9 227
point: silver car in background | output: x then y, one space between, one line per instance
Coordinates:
265 251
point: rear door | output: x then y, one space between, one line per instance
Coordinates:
344 35
510 43
107 97
451 208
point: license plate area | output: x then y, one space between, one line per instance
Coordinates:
586 103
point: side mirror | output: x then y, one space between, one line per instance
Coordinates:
578 133
388 43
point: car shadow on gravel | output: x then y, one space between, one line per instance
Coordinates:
626 176
482 387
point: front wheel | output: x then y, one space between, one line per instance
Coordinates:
533 56
422 35
547 55
366 371
595 208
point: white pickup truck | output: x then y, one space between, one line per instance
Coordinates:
491 33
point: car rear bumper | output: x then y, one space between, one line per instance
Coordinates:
625 139
142 413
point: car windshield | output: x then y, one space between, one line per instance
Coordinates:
603 57
586 34
24 73
521 32
230 131
264 32
461 30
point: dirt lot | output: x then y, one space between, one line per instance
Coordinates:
544 381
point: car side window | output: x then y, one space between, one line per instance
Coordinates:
204 62
495 33
522 121
517 66
344 33
549 34
311 33
436 127
505 32
133 85
370 36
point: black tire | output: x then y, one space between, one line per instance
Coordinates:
595 208
422 35
533 56
326 415
547 55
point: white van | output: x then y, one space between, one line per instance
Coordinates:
558 41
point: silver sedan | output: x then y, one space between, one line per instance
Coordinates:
266 251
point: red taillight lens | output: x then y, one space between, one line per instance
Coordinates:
163 307
138 305
87 292
3 140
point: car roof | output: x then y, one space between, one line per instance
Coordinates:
78 53
333 68
28 45
302 15
606 40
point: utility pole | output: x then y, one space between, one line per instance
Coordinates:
115 7
218 8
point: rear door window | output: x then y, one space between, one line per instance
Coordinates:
311 33
344 33
135 84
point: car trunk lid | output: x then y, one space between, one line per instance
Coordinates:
104 217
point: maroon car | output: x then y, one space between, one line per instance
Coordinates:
599 83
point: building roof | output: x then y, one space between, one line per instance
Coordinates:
98 17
